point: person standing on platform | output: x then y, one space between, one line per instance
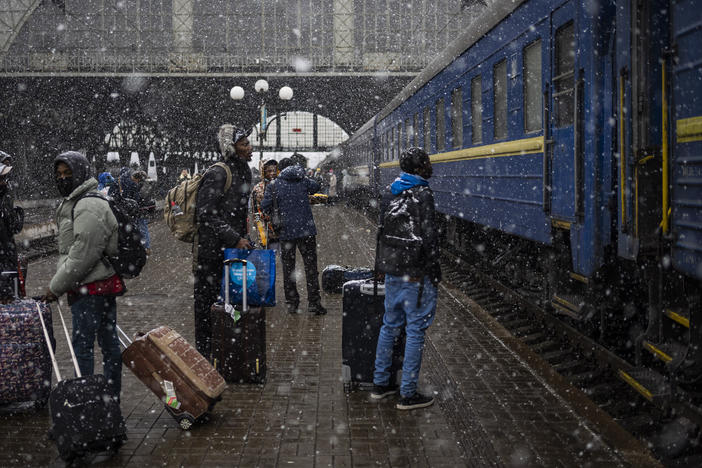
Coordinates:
291 191
11 222
270 172
87 231
332 186
184 175
221 217
408 254
105 182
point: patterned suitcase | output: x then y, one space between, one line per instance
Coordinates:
25 364
173 369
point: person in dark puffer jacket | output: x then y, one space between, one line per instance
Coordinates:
412 275
11 221
221 219
292 190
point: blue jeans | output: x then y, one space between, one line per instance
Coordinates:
401 310
97 316
144 231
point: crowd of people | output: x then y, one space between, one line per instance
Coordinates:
280 206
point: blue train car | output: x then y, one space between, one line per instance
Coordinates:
566 140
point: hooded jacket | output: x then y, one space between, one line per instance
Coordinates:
292 191
11 221
87 231
221 216
391 259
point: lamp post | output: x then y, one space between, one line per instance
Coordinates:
261 86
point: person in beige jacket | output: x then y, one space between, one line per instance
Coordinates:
87 233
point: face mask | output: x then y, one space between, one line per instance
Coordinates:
65 186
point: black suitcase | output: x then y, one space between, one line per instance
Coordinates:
363 312
334 276
85 417
238 346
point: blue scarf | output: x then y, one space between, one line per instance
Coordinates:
407 181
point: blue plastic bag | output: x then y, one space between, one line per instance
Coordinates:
260 277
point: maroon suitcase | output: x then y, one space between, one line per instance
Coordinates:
173 369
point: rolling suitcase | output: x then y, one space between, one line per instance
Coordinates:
175 372
239 336
85 418
363 310
25 364
334 276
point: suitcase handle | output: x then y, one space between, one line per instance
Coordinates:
129 341
48 343
244 287
70 344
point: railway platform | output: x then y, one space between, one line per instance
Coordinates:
494 406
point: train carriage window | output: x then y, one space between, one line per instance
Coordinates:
387 145
399 140
427 130
563 80
533 98
440 125
393 138
457 117
499 82
408 132
476 109
416 129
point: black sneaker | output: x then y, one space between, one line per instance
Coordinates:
317 309
414 402
381 391
293 308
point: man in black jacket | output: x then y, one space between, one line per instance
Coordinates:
408 254
222 202
11 221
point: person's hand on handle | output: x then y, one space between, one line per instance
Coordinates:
244 244
49 296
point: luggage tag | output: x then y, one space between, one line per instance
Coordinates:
170 399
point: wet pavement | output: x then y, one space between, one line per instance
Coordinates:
492 408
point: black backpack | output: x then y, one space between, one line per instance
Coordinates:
400 234
131 253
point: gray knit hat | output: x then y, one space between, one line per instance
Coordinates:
227 136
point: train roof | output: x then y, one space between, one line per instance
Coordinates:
488 19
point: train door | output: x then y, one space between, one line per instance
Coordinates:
684 202
562 128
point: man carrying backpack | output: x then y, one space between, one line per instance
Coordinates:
290 192
87 233
408 254
222 207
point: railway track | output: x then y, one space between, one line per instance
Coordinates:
671 431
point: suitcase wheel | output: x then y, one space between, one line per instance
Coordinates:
186 422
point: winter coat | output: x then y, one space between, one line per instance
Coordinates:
221 216
11 221
391 259
86 235
292 189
